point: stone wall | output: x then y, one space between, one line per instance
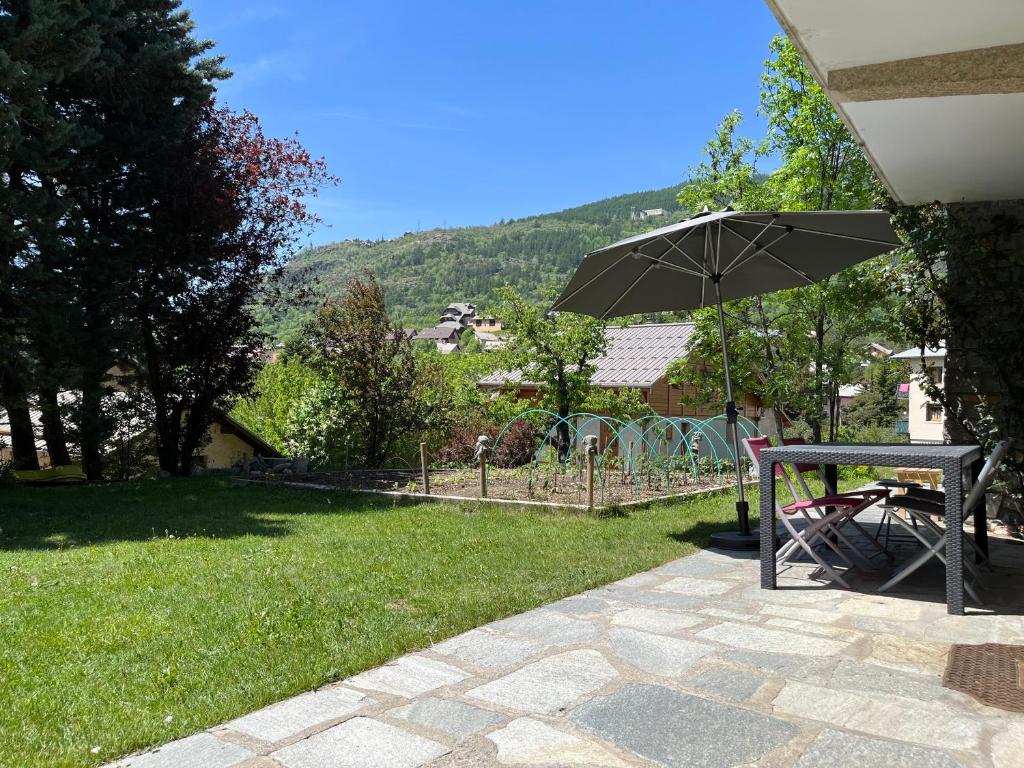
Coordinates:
985 309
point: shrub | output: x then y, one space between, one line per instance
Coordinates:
320 426
517 447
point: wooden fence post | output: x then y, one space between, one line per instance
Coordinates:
483 448
590 480
483 474
424 469
590 443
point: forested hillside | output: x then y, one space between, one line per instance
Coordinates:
424 271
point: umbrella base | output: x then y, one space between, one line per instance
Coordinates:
737 540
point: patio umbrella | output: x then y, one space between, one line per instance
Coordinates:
721 256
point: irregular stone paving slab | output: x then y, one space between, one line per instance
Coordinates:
550 684
360 743
659 724
757 638
965 629
288 717
729 683
809 628
652 620
723 613
657 654
530 742
784 664
671 600
865 676
801 614
489 649
688 585
914 655
694 566
204 750
579 605
637 580
451 717
882 608
869 624
409 676
832 749
926 723
800 596
548 627
1008 746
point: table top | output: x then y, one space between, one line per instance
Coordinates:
893 454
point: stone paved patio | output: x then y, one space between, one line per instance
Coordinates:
690 664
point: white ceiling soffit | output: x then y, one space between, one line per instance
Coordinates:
933 89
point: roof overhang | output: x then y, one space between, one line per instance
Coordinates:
933 90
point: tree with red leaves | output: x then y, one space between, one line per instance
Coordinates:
229 209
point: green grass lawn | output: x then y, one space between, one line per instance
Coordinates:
137 613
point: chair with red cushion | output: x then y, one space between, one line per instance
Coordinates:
855 501
822 525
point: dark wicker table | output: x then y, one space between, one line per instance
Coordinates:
953 460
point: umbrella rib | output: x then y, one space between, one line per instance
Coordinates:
622 295
718 249
762 249
749 244
675 246
657 260
768 253
807 230
591 280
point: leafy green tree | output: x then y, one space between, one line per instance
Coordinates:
229 208
794 348
554 350
877 404
728 176
354 343
278 389
43 46
622 404
323 425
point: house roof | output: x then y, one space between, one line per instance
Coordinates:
637 356
914 353
234 427
438 333
850 390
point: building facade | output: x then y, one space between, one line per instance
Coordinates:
926 420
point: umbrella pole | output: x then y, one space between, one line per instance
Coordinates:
744 539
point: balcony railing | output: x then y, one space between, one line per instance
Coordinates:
903 427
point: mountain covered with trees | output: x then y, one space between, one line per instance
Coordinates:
421 272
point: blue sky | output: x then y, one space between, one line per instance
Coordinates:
459 113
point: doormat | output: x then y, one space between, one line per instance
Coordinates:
991 673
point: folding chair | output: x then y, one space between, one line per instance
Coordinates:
922 505
856 502
819 530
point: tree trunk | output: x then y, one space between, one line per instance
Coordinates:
777 413
166 417
53 427
15 400
984 376
91 425
197 421
819 363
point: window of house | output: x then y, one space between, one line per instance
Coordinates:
935 374
933 412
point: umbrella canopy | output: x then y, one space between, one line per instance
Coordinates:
716 257
676 267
